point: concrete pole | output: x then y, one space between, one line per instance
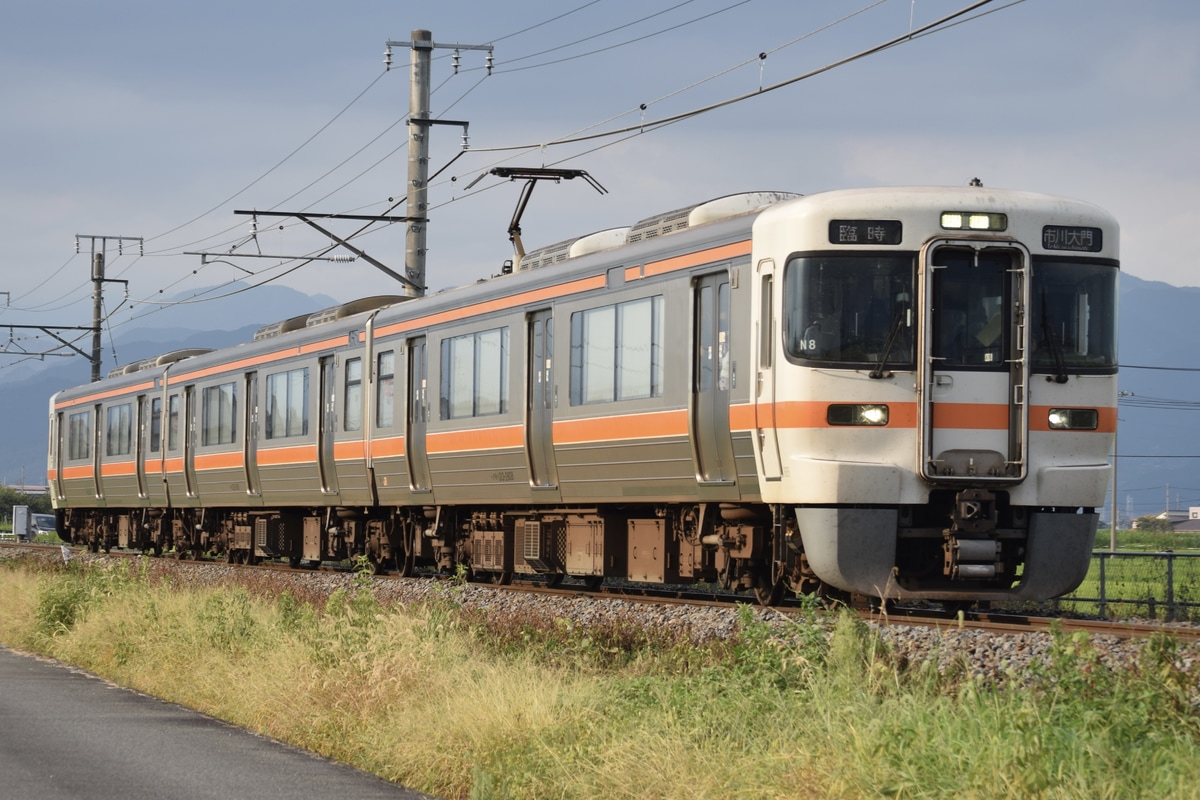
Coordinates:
97 310
418 158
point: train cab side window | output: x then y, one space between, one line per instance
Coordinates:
474 374
385 387
287 404
79 436
219 414
353 395
155 424
854 309
617 352
118 433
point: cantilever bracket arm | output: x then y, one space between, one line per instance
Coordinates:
307 218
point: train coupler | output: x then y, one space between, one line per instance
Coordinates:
971 549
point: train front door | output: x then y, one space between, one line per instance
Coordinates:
711 378
975 371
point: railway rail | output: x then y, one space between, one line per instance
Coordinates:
891 615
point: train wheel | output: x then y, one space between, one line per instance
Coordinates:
768 593
593 582
406 564
501 578
554 579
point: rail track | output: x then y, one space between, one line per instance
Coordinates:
997 622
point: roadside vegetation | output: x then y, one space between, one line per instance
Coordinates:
464 706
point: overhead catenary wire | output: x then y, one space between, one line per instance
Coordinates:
629 131
643 126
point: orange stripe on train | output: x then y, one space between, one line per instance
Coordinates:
654 424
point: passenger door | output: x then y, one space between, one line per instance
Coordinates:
711 378
539 421
416 416
327 430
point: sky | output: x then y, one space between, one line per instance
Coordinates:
158 119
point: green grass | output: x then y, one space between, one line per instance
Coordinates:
1140 585
462 704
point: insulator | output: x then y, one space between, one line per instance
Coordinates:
456 60
490 62
387 58
342 258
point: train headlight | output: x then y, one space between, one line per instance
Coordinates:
857 414
974 221
1074 419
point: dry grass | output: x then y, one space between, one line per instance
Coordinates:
464 706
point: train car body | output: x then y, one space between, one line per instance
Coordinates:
899 393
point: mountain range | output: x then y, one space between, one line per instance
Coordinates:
1158 440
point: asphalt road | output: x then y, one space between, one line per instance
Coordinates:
68 735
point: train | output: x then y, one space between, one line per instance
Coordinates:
900 393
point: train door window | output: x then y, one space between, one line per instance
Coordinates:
617 352
173 423
474 374
970 298
352 416
219 414
79 436
118 432
385 401
287 404
155 424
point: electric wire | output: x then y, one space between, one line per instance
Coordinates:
652 124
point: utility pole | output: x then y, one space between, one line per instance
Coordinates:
422 47
98 281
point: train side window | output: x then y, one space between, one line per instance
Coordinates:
385 387
617 352
353 394
287 404
79 436
219 415
118 432
474 374
155 424
173 422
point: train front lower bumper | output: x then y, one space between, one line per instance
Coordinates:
861 550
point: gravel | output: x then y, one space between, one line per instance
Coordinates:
992 657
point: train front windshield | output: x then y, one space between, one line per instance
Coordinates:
1073 317
857 311
850 310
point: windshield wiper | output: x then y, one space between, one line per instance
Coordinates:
888 344
1060 364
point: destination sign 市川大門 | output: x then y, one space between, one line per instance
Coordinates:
1072 237
865 231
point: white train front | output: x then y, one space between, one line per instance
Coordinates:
900 393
